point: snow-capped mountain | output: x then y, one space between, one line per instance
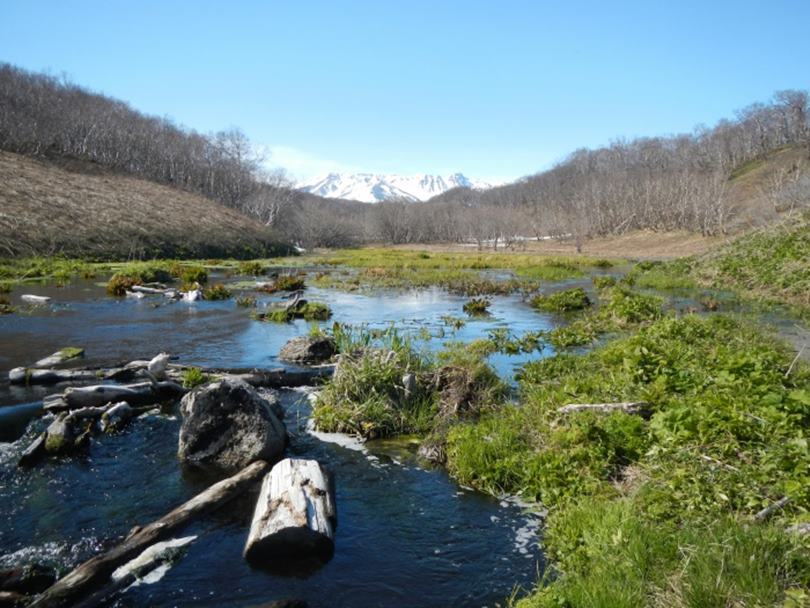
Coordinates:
373 188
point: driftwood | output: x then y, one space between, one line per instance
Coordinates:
32 299
295 514
59 357
98 569
34 452
143 393
28 375
628 407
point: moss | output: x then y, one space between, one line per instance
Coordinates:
311 311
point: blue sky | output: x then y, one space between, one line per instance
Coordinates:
496 90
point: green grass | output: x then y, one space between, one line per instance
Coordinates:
657 503
59 270
194 377
311 311
463 273
217 291
476 306
285 282
567 300
383 386
773 264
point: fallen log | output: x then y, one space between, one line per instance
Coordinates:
32 299
28 375
148 290
771 509
97 569
34 452
59 357
143 393
295 514
149 566
628 407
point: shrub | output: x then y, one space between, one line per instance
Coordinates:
137 273
246 301
285 282
191 274
5 306
311 311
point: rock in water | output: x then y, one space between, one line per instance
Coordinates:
308 349
295 515
116 417
33 578
227 425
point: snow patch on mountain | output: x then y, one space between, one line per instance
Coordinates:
373 187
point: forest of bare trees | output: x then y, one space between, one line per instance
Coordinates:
659 183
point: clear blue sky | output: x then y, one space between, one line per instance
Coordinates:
494 89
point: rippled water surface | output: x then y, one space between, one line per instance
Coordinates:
407 535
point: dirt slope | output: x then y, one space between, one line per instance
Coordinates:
76 209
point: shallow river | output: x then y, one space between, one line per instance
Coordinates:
407 535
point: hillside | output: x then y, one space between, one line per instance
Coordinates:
77 208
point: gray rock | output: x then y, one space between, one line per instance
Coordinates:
61 435
227 425
308 349
271 396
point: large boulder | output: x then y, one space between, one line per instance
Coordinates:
308 349
227 425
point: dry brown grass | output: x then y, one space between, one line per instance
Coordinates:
77 209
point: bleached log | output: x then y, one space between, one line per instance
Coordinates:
628 407
147 290
32 299
193 295
295 514
151 557
59 357
799 529
98 569
28 375
143 393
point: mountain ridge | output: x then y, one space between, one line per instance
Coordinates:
377 187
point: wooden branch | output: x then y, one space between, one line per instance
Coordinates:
98 569
771 509
60 356
628 407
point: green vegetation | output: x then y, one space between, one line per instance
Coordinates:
476 306
285 282
189 274
771 264
246 301
217 291
656 504
194 377
5 306
60 270
251 268
463 273
567 300
384 387
311 311
138 273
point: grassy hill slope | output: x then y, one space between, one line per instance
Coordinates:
75 208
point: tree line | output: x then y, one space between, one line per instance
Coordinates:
661 183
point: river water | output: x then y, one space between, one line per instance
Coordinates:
408 535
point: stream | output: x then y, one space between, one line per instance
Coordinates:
408 535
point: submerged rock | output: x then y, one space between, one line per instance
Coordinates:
61 436
308 349
33 578
227 425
